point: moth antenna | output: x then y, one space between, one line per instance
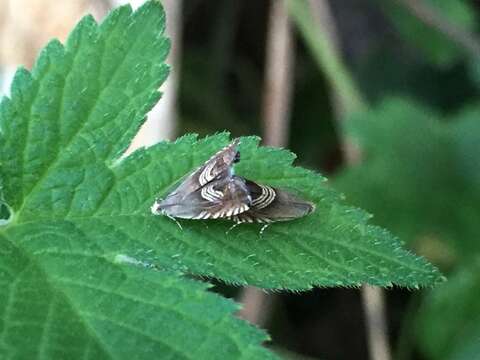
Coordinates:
176 221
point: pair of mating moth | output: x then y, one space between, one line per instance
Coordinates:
213 191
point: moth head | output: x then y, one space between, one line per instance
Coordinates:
157 208
172 206
236 158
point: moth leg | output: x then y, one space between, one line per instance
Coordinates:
237 221
233 227
264 227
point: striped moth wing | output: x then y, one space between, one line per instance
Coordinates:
210 191
221 198
224 198
272 204
219 165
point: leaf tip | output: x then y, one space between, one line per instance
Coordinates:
21 82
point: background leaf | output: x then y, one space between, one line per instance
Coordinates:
434 45
448 322
419 167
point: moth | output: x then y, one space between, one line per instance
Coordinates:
272 204
213 191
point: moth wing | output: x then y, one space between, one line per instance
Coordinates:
220 198
232 198
272 204
219 165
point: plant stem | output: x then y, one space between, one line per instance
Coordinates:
325 53
373 299
277 94
256 305
317 26
278 80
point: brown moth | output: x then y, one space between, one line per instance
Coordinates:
211 191
272 204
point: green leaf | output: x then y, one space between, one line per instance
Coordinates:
334 246
421 175
68 291
448 325
67 300
433 44
87 271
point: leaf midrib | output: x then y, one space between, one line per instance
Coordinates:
324 239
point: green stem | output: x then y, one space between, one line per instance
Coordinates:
326 56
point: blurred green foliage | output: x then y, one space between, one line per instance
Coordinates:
420 177
448 323
421 173
419 137
435 46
